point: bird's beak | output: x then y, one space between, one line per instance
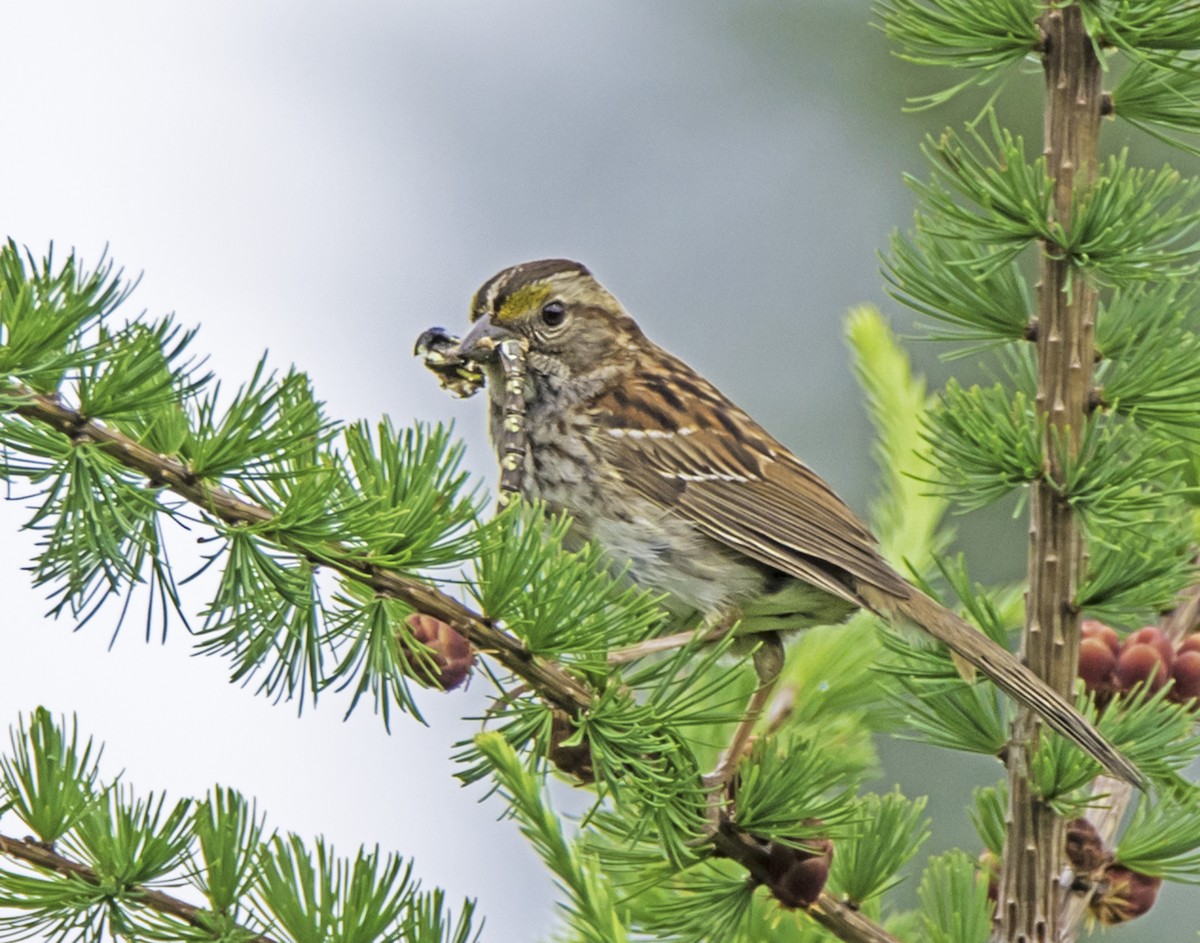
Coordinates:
480 343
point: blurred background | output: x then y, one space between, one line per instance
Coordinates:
327 180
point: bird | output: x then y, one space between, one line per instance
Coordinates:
687 493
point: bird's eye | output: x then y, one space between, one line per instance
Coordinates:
554 313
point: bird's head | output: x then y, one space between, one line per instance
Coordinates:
567 320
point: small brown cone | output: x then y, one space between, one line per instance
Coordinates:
574 760
1096 664
447 657
798 875
1141 663
1085 849
1187 677
1129 894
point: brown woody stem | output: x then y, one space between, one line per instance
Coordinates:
839 918
846 923
48 860
1030 898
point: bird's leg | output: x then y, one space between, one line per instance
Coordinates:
712 629
666 643
768 664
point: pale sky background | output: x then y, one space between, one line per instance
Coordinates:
327 180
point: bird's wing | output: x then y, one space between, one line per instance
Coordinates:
720 470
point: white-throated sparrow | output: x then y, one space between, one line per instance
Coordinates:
686 490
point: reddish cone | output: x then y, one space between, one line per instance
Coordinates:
797 876
1129 894
447 658
1141 664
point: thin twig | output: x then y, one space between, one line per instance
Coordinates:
846 923
42 857
1184 619
839 918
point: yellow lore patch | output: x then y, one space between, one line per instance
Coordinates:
523 300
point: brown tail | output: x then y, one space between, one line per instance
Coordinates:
1012 677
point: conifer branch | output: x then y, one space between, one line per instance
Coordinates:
550 681
48 859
